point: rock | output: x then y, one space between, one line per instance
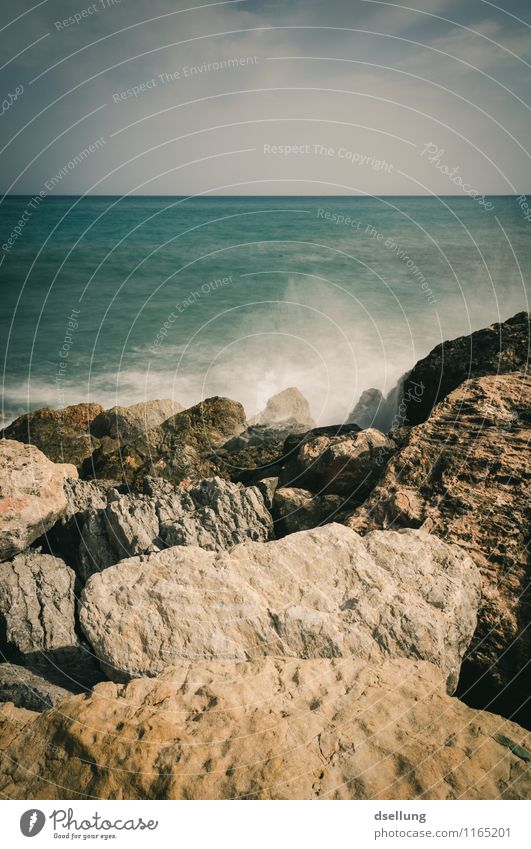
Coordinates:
274 728
298 510
463 476
27 690
345 463
268 487
181 448
62 435
31 495
495 350
290 404
128 423
37 603
213 514
367 409
320 593
258 453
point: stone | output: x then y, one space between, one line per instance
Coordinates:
495 350
462 475
298 510
290 404
37 603
344 463
213 514
62 435
182 448
367 409
319 593
258 453
31 495
25 689
272 728
128 423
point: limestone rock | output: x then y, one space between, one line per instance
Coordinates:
463 476
346 463
31 495
37 603
25 689
498 349
182 448
290 404
274 728
298 510
320 593
128 423
62 435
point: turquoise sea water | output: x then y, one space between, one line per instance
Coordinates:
116 300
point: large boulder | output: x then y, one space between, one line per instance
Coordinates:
274 728
36 604
63 435
128 423
213 514
31 495
498 349
320 593
182 448
288 405
463 476
342 461
25 689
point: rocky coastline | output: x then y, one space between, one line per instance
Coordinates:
198 606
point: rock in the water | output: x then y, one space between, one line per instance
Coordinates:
37 603
463 476
298 510
498 349
290 404
338 462
274 728
62 435
128 423
213 514
27 690
320 593
31 495
367 409
182 448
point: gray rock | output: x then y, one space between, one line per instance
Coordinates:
367 409
128 423
31 495
288 404
37 603
27 690
213 514
321 593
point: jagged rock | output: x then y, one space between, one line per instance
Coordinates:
290 404
128 423
498 349
62 435
213 514
181 448
346 463
275 728
27 690
298 510
37 603
31 495
367 409
268 487
258 452
320 593
463 476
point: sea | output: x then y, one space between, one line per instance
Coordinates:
122 299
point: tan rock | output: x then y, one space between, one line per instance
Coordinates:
276 728
63 435
31 495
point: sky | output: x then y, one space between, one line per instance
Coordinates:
305 97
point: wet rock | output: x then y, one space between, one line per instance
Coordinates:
320 593
31 495
273 728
